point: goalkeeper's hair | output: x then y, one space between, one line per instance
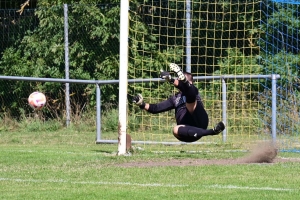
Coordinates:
189 76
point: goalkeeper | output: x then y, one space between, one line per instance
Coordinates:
191 117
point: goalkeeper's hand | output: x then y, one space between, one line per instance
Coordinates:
166 75
139 100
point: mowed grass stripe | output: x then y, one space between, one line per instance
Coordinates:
147 184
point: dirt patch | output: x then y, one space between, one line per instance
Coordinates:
262 153
196 162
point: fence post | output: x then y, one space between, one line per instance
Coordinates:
67 93
98 115
274 94
224 107
188 36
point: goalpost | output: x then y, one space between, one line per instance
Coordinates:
124 21
219 43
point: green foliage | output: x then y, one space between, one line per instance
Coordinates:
237 63
240 92
211 24
282 58
110 121
146 60
289 91
286 65
36 125
92 31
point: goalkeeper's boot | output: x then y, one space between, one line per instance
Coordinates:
175 68
219 128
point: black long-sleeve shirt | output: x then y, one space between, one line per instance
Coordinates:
198 118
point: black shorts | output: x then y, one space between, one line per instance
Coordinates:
198 118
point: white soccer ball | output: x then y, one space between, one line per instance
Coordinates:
37 100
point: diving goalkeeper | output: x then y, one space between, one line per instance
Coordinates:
191 117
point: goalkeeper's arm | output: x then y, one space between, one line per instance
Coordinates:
139 100
153 108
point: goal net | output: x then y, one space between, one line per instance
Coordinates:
206 38
279 44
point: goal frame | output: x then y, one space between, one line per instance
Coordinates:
272 77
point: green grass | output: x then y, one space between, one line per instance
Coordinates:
67 164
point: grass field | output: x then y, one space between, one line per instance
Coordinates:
67 164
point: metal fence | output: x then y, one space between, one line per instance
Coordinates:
98 84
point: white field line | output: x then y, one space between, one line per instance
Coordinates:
145 184
249 188
93 182
38 151
58 152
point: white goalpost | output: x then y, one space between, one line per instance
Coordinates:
124 23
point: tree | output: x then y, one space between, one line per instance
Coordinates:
94 49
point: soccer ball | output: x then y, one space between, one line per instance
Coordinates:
37 100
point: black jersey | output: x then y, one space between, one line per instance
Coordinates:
198 118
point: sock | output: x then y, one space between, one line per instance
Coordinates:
188 90
190 131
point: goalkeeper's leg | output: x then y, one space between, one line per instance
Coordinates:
175 68
186 133
186 87
184 84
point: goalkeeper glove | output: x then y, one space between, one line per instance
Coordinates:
138 100
167 76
